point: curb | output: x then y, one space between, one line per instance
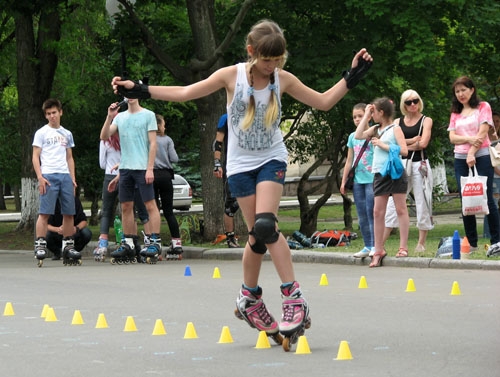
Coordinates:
302 256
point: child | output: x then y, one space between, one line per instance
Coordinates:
55 170
363 182
384 134
257 158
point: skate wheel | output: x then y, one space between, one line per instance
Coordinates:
40 263
238 314
112 261
278 338
286 344
80 262
148 260
134 260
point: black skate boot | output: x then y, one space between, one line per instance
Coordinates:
231 240
152 253
175 251
71 257
40 250
126 252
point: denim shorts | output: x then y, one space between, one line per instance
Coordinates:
244 184
61 187
130 180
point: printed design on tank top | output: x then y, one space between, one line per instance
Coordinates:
257 137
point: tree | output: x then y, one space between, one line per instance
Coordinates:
205 58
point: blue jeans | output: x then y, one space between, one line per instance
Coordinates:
363 198
484 168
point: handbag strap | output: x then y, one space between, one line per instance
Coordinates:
363 148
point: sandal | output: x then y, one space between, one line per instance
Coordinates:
377 259
402 253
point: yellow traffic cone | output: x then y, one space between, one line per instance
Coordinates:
190 332
323 280
455 289
362 283
77 318
9 309
225 336
159 328
51 315
44 311
344 351
302 346
216 274
410 287
262 341
101 322
130 324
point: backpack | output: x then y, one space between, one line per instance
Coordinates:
331 238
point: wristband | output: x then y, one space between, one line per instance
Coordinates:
139 91
354 75
217 164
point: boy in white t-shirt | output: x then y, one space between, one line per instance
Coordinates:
55 170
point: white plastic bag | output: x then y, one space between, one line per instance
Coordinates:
474 198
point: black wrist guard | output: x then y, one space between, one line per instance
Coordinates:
354 75
217 164
139 91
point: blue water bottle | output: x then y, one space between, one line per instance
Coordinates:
456 245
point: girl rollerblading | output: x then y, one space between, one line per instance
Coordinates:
256 153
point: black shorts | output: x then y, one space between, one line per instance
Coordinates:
386 185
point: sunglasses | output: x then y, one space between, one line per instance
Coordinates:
414 101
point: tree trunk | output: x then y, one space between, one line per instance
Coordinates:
29 204
36 66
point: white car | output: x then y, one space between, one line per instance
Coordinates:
183 194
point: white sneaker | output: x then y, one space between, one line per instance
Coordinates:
362 254
372 252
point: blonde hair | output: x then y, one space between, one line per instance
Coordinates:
268 42
407 94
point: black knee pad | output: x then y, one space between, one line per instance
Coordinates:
231 207
264 228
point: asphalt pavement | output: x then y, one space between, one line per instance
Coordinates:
446 326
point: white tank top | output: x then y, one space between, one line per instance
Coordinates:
250 149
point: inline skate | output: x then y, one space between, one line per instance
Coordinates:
232 241
125 253
71 257
295 318
40 250
174 251
101 250
152 252
251 308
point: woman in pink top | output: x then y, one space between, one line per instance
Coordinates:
470 122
